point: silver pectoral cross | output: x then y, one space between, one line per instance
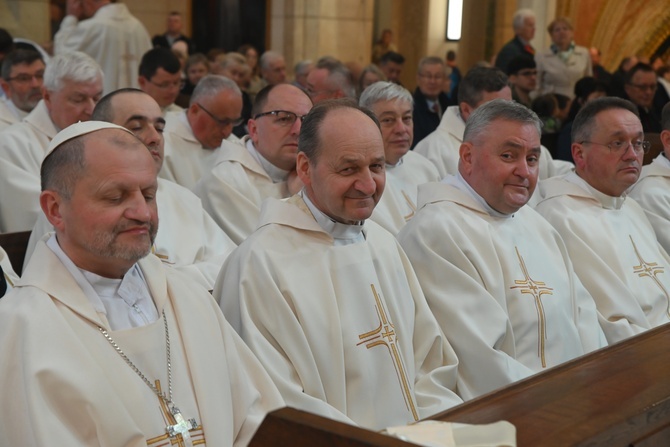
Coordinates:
181 427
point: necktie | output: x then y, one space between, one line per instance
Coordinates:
3 283
437 109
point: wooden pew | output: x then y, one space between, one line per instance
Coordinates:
617 396
15 244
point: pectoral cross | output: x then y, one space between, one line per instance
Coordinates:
651 270
178 429
412 206
536 289
384 335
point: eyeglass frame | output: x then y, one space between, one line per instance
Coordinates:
275 112
222 122
645 144
24 78
166 85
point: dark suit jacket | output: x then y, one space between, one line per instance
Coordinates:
159 40
509 51
425 120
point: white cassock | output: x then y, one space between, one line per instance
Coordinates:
22 149
232 192
652 192
64 384
502 287
9 113
185 161
344 331
398 202
615 253
11 278
187 240
442 148
113 37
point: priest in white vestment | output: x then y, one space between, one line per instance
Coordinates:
21 80
193 137
262 166
652 190
480 85
327 299
102 344
609 238
188 239
392 104
110 34
160 76
72 86
496 275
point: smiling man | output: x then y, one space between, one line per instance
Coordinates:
496 275
327 300
610 240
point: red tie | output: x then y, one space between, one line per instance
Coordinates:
436 109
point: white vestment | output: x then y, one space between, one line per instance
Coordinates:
398 203
185 160
9 113
11 278
113 37
64 384
22 149
344 331
443 144
615 253
502 288
652 192
187 240
232 192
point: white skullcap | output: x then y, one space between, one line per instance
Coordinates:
79 129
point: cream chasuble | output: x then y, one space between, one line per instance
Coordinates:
615 254
187 240
398 203
64 384
11 278
22 148
8 113
652 193
343 330
502 288
443 144
113 37
232 192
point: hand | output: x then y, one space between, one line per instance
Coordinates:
75 8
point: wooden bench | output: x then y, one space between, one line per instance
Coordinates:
15 244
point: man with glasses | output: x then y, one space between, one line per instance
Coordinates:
21 78
72 86
640 87
329 79
610 240
522 73
262 166
160 78
430 101
193 137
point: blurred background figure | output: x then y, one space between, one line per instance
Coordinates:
383 46
255 81
173 33
196 68
370 74
391 65
300 71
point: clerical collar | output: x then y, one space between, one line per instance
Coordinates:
607 202
343 234
276 174
100 291
458 182
400 161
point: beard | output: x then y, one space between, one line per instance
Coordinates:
107 244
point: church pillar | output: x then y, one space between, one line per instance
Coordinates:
28 19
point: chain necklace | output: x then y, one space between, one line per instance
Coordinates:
182 426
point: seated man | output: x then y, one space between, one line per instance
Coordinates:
652 190
72 86
188 239
609 238
160 78
405 169
21 78
496 275
329 79
327 301
479 86
193 137
116 349
263 166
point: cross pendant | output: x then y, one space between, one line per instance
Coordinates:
181 427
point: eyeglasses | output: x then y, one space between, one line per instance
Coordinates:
282 117
437 77
25 78
621 146
167 85
643 87
527 73
225 122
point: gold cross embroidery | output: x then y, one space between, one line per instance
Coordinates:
536 289
196 434
651 270
384 335
412 206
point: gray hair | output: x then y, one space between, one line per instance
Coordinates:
430 60
338 75
520 17
384 91
232 59
585 120
74 66
18 57
498 109
302 67
212 85
268 57
479 80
